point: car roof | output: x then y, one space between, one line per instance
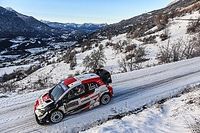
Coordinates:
86 76
77 80
69 81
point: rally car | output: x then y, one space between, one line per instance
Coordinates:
70 96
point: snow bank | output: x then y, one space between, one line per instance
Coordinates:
174 116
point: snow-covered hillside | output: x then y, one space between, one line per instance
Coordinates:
173 2
177 30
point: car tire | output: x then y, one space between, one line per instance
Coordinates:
39 121
56 116
105 99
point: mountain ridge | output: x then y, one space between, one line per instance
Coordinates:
13 24
142 22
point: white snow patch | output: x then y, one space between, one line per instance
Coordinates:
173 116
8 70
36 50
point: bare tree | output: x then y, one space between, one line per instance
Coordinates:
161 20
109 36
120 46
73 63
165 34
132 60
192 48
194 26
95 60
179 50
101 47
130 48
139 54
170 52
123 65
7 87
69 56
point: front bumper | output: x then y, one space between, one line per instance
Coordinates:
41 117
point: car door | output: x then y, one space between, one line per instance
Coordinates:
93 88
92 93
85 99
73 98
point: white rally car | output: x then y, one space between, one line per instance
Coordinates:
70 96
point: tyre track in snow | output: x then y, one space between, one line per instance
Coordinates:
29 122
21 105
116 98
129 92
114 83
10 109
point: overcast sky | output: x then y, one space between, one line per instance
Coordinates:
84 11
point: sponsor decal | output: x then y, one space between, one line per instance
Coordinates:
94 96
87 99
72 104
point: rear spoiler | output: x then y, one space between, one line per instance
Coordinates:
104 75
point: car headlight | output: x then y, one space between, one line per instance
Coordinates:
42 111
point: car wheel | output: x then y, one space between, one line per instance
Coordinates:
105 99
40 122
56 116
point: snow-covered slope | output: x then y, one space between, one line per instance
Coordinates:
132 90
177 30
23 25
173 2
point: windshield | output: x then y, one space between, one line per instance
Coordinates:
57 91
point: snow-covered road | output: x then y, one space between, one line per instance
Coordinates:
131 90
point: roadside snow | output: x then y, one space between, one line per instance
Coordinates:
132 90
174 116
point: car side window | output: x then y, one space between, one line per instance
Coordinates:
76 92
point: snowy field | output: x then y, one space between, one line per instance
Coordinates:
131 91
